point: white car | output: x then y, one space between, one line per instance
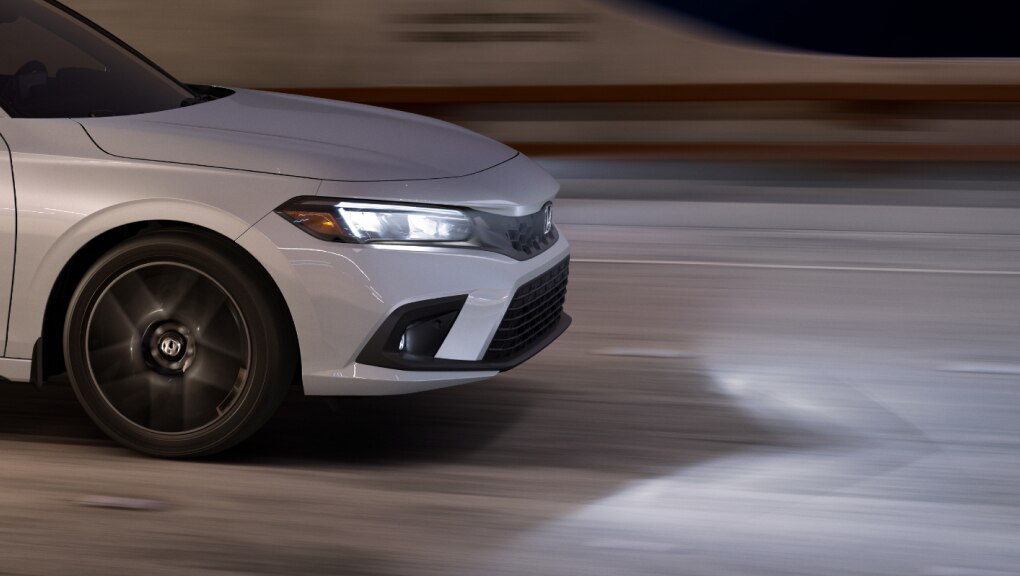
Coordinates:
185 253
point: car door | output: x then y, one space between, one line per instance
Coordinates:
8 227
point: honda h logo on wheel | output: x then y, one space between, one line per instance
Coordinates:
171 346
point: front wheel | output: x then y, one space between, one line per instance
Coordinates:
177 346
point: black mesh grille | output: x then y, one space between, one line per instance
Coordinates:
534 311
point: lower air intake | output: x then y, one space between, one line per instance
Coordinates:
533 313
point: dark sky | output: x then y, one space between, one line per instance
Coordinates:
891 28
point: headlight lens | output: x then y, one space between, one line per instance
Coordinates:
363 222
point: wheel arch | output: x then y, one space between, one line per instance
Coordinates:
49 351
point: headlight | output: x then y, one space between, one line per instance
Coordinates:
363 222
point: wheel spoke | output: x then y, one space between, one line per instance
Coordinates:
136 297
218 368
168 348
117 360
166 398
130 395
179 286
112 322
222 347
208 309
203 400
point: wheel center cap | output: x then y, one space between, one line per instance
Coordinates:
171 345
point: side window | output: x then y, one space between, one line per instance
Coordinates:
54 65
23 41
38 69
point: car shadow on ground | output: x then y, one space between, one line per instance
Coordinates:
441 424
629 416
438 425
47 414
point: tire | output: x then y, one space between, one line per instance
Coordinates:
177 344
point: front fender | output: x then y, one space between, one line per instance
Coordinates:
36 275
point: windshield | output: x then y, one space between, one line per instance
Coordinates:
55 65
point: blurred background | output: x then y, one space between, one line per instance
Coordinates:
342 43
683 77
795 279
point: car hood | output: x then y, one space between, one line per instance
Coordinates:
299 136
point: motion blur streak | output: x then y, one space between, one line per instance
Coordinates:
796 267
795 298
331 43
594 77
782 421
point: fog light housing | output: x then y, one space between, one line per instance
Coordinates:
425 337
413 333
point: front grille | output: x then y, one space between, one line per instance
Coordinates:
529 237
533 313
519 237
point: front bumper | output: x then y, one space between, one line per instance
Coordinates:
341 295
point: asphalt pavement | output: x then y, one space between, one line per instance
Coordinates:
794 398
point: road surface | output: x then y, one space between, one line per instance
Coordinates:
731 400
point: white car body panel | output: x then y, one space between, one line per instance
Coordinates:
16 370
377 280
70 191
300 136
361 380
513 188
8 233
